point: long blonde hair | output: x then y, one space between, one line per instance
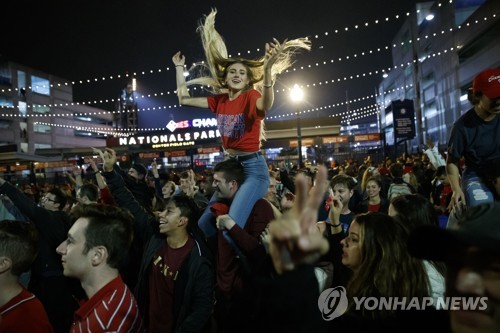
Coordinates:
218 61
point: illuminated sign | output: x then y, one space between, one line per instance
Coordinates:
196 123
175 153
170 140
367 137
335 139
305 142
208 150
404 119
149 155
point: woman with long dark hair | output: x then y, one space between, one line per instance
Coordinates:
414 210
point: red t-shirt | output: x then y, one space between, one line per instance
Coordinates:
164 269
239 120
112 309
374 208
24 313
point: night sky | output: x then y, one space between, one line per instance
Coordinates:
80 40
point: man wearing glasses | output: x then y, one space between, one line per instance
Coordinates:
47 280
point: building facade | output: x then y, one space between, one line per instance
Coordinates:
37 112
436 54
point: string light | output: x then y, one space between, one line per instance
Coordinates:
111 77
278 91
100 130
285 90
83 114
158 94
363 112
164 107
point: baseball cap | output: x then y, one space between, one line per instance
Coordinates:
479 226
488 82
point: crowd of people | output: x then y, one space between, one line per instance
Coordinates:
251 247
185 276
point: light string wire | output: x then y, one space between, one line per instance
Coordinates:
307 85
98 113
365 111
160 70
305 67
320 83
303 86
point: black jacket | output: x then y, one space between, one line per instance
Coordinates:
56 292
52 226
194 287
292 301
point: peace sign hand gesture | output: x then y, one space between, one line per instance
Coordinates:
295 237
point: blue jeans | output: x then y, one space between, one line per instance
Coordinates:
253 188
475 191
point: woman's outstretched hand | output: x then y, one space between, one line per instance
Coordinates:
178 59
273 49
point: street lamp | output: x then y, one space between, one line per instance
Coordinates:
297 94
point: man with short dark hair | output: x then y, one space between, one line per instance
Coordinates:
96 245
241 257
343 189
138 171
472 256
18 248
87 194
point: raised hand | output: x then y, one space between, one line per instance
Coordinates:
295 237
272 51
98 152
224 222
192 178
154 169
287 201
92 164
108 159
336 207
178 59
